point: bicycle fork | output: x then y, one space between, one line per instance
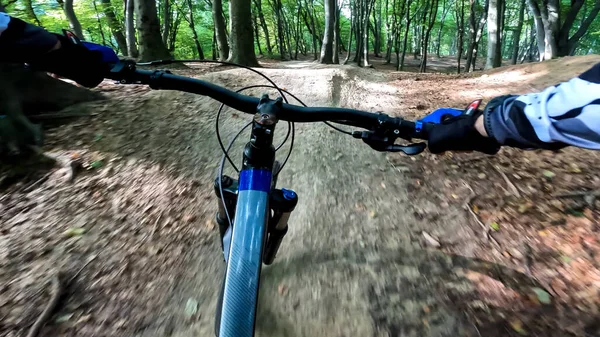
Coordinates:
281 204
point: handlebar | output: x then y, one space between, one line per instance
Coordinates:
383 128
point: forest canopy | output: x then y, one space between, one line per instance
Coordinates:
238 30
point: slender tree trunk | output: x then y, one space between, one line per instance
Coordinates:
388 32
286 30
30 13
460 23
472 33
494 28
193 29
425 43
240 26
132 49
445 10
405 42
352 24
256 35
220 30
115 25
173 34
67 6
328 36
298 32
263 25
517 36
312 29
100 28
166 20
539 26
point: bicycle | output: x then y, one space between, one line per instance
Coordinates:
253 214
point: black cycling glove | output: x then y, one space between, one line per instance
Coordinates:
459 134
73 61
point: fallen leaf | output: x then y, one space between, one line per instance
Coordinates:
74 231
543 233
426 309
475 209
481 175
495 226
565 259
96 164
454 196
542 295
191 308
372 214
525 207
63 318
574 168
430 240
517 325
548 174
282 289
382 185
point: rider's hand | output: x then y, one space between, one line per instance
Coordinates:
462 133
73 61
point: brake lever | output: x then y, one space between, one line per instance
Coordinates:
386 143
410 149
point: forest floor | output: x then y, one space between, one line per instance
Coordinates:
379 245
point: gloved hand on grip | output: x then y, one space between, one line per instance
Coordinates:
73 61
459 133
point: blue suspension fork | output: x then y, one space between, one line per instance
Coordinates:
244 256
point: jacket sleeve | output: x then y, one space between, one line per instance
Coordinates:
561 115
21 41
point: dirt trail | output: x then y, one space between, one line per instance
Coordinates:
354 262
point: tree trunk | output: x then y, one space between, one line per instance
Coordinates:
494 27
298 32
445 10
425 43
132 49
404 44
286 30
67 6
193 29
336 35
517 33
310 24
221 32
166 20
327 46
566 44
352 24
263 24
150 41
30 13
173 33
100 28
539 26
256 35
240 26
460 23
115 26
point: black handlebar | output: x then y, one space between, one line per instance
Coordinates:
381 125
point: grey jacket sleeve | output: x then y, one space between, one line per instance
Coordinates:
561 115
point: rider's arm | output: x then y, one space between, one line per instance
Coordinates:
561 115
23 42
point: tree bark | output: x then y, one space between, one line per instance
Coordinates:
310 25
400 65
336 35
221 32
494 27
67 6
192 25
166 20
100 28
427 34
263 25
539 26
256 35
240 26
151 46
517 33
115 26
327 46
460 23
445 10
352 24
132 49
